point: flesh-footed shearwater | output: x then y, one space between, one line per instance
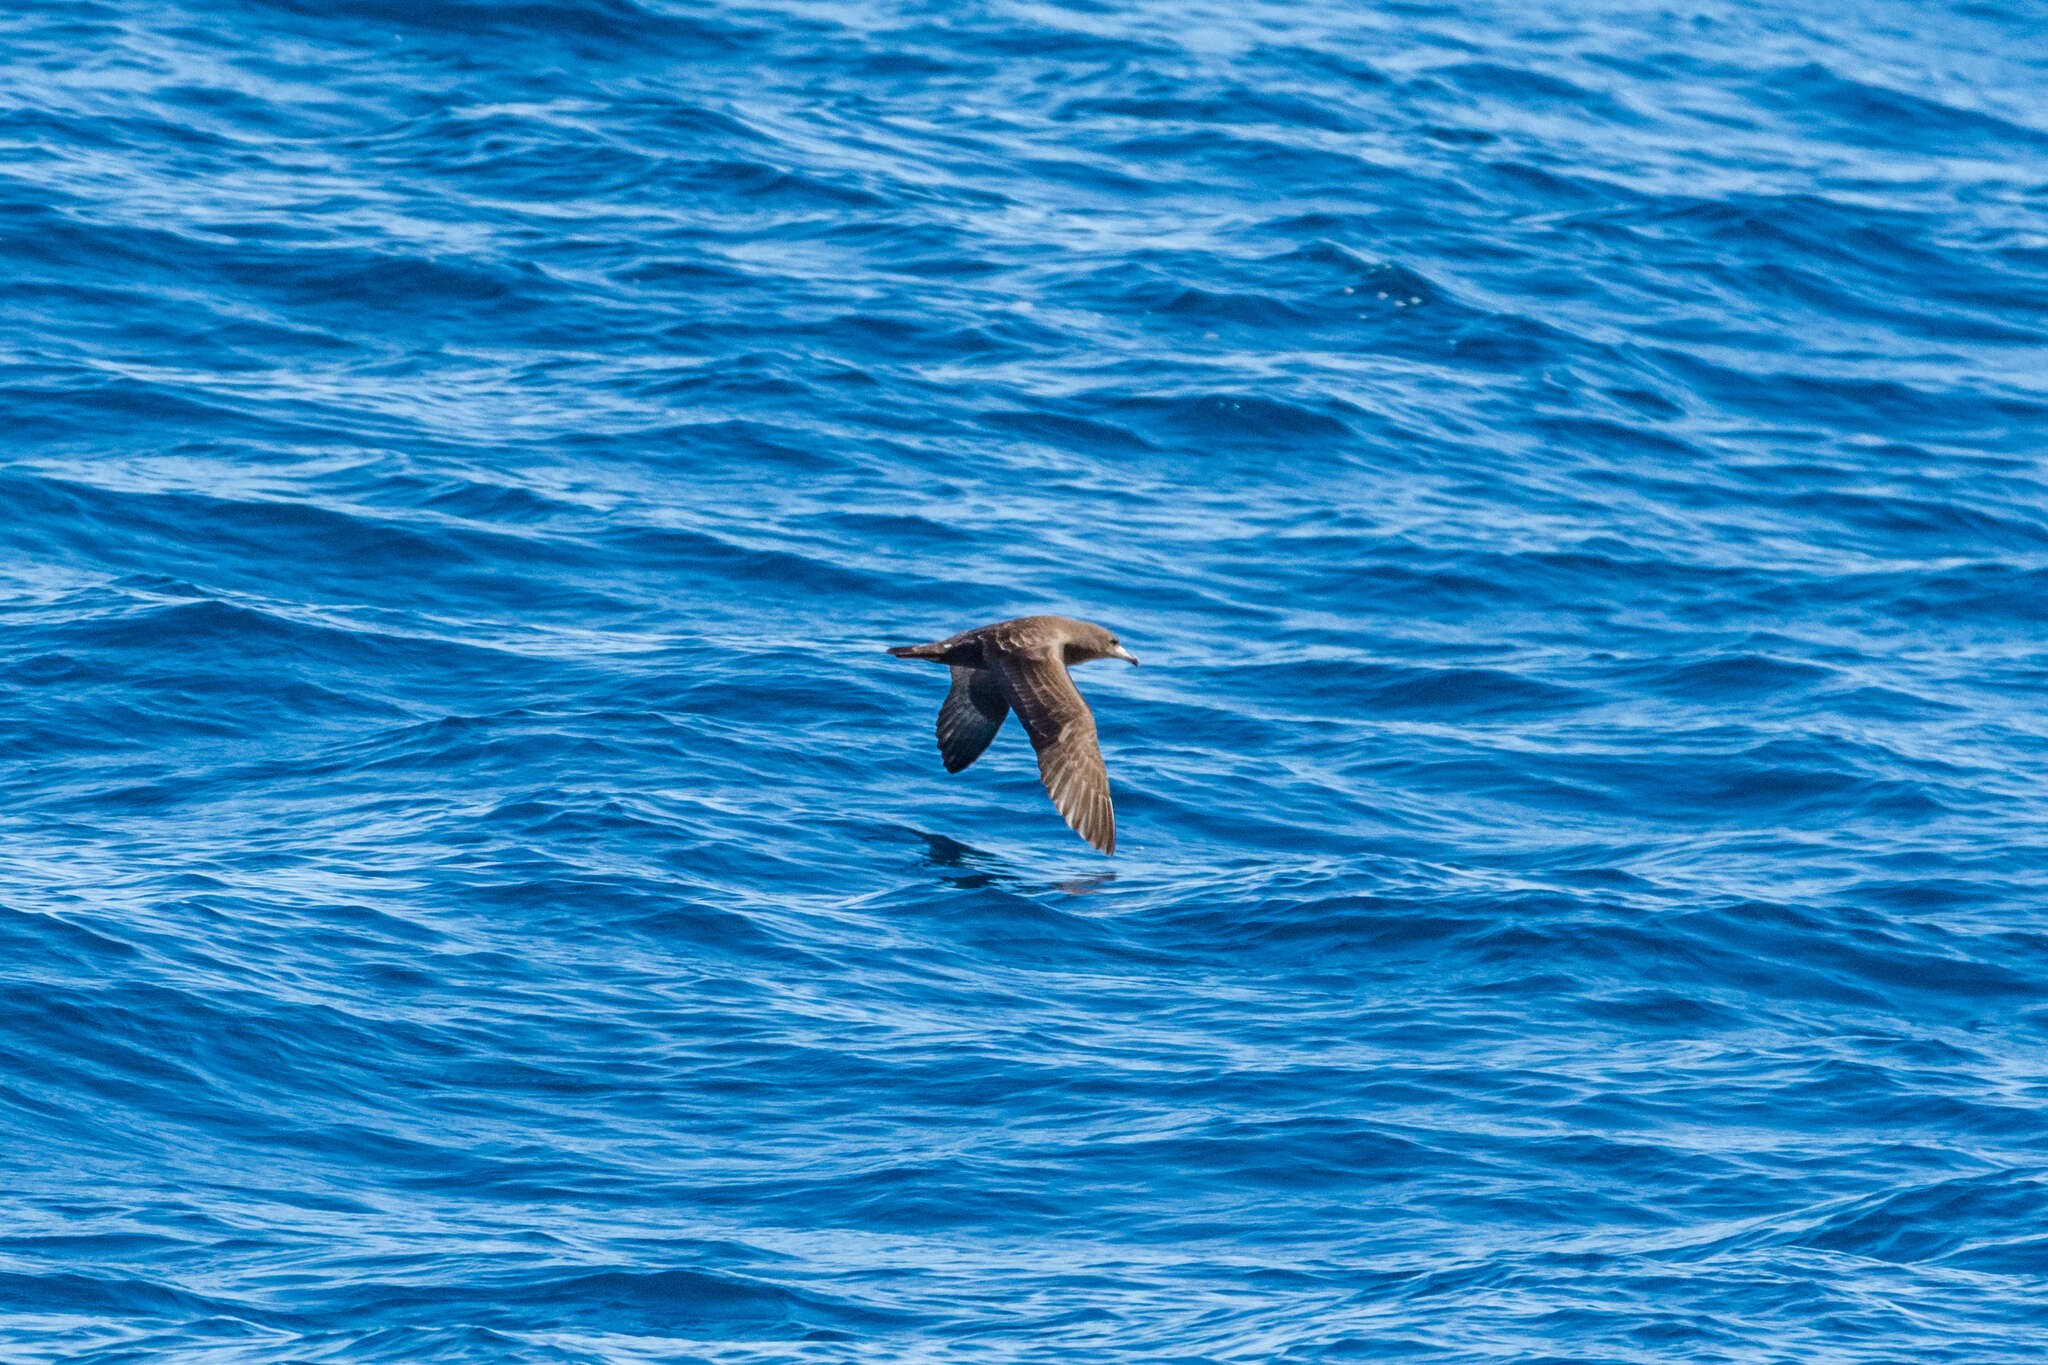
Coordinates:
1021 665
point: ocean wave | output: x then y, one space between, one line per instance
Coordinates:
476 888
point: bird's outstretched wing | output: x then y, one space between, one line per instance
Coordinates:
1062 729
972 713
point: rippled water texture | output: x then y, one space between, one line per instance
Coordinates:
473 888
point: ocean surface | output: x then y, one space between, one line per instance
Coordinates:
474 889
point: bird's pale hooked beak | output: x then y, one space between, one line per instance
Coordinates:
1121 653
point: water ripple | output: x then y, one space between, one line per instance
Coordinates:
475 889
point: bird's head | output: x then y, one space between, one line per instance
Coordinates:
1093 642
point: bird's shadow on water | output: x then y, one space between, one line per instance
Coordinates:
967 868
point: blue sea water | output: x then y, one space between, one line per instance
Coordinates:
473 889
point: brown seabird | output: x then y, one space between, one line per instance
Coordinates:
1021 665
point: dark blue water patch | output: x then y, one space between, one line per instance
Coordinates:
1064 430
92 1296
1521 85
594 29
1234 418
1463 693
475 888
1871 115
1742 676
1238 106
1876 405
686 278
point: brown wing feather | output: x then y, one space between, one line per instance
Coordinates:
1062 729
972 713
